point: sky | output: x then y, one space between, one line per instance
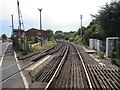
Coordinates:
56 14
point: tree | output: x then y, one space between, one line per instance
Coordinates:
4 37
83 30
59 35
109 19
58 32
50 34
36 39
92 31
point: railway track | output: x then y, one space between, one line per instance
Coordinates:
46 73
72 68
77 70
102 76
29 60
72 75
65 72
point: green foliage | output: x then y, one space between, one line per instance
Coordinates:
101 55
50 34
33 79
92 32
59 31
83 30
39 48
33 40
109 19
116 61
113 52
71 39
30 42
59 35
36 39
66 37
4 37
20 44
77 41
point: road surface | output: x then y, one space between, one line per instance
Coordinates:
3 47
9 67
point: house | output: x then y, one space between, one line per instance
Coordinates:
32 32
21 36
36 32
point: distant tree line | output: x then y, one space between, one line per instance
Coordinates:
105 24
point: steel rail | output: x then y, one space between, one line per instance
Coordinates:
88 78
47 86
10 76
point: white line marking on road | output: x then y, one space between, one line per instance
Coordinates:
9 66
21 73
6 48
3 55
1 60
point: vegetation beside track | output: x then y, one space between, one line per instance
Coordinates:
44 47
37 48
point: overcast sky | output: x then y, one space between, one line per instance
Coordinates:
56 14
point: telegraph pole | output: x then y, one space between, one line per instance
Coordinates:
81 16
12 23
40 25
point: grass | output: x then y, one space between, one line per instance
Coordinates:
100 54
44 47
116 61
20 54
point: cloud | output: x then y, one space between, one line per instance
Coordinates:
58 14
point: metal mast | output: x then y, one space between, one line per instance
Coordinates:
81 16
12 23
21 25
40 25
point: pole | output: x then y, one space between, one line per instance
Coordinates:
12 24
40 25
12 32
81 25
40 20
19 15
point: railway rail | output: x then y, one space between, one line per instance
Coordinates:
102 76
72 74
65 72
30 59
77 71
46 73
72 68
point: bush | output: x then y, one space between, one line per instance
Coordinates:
113 52
38 47
71 39
101 55
116 61
36 39
30 42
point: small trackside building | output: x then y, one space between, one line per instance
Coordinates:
36 32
